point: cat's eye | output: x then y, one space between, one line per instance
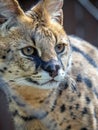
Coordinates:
28 51
59 48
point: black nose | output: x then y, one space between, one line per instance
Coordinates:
52 68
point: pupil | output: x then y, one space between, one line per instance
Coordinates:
59 47
28 49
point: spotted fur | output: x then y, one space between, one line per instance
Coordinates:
50 78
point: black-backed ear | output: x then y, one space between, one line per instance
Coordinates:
9 9
53 7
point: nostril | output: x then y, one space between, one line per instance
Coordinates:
53 74
53 70
52 67
57 67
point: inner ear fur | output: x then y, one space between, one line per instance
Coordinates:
53 8
9 9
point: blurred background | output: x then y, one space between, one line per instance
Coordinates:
80 18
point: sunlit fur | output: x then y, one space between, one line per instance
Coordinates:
66 100
47 35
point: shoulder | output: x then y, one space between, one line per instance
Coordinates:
80 45
86 51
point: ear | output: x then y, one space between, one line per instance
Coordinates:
53 7
9 9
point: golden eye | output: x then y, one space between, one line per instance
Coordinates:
59 48
28 51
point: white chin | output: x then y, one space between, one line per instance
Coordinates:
48 85
45 83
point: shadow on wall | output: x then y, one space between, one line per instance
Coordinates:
81 19
6 122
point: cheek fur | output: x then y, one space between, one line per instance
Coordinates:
66 60
26 65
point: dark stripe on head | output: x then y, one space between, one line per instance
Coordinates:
33 41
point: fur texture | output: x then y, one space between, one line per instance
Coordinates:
50 78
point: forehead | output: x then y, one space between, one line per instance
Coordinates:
50 31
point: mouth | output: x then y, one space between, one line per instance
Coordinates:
35 82
50 81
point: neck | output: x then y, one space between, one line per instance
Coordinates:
32 96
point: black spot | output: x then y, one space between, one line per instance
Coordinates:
79 94
29 118
62 87
66 86
60 92
1 71
11 80
3 57
85 111
79 78
5 68
8 50
41 101
10 71
73 116
54 105
87 100
68 127
77 106
87 82
70 107
15 113
62 108
83 129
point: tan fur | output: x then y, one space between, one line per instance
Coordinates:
46 90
